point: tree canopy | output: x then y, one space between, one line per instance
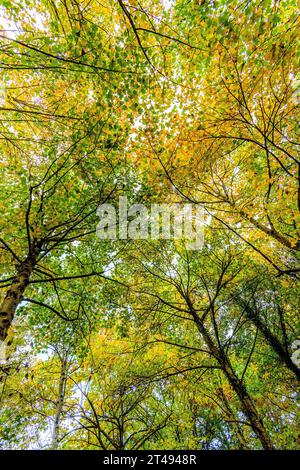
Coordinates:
129 344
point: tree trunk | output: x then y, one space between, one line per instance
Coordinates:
272 340
14 294
238 386
233 421
248 407
59 403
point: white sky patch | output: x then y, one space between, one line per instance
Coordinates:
168 4
9 27
12 28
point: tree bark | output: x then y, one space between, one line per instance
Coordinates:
15 292
272 340
237 384
59 402
233 421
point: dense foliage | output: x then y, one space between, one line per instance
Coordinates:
146 344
